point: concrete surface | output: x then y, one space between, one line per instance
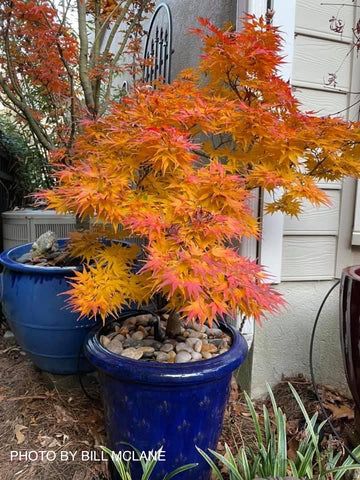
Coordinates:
282 343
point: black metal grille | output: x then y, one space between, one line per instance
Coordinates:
158 48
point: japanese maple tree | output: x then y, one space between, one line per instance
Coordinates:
177 165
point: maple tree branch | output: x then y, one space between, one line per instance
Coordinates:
116 26
233 86
99 37
121 50
317 166
34 124
8 104
96 54
71 76
142 175
11 72
83 57
201 153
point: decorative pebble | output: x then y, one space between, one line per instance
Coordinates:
134 339
148 352
144 319
130 322
144 330
183 347
198 328
120 337
134 353
138 335
191 341
209 347
195 334
171 356
195 356
167 347
129 342
162 357
206 355
148 342
182 357
216 332
115 346
104 341
147 349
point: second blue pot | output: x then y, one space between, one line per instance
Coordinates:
175 406
35 308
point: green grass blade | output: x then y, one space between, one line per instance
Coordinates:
120 466
272 398
282 444
212 464
293 468
184 468
255 419
267 424
348 462
233 469
244 465
148 469
309 423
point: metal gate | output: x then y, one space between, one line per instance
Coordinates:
158 48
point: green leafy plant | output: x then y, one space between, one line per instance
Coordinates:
270 457
25 161
123 467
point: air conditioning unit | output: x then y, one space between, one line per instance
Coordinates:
24 226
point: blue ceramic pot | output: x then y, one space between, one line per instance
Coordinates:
175 406
32 303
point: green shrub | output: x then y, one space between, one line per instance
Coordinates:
25 161
270 457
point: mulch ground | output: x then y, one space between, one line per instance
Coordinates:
35 418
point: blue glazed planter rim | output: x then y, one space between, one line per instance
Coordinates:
8 260
170 373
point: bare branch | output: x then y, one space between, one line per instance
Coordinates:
116 26
34 124
83 57
101 33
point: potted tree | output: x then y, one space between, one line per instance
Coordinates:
176 165
51 77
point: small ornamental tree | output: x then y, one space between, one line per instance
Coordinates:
59 60
177 165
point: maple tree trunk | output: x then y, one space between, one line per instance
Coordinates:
83 57
173 326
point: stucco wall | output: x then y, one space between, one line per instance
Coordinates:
282 342
184 14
